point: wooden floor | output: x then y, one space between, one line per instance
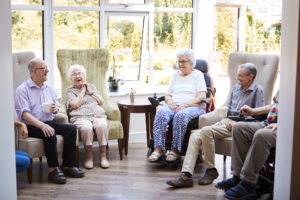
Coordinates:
132 178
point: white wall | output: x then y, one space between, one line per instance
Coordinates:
7 153
288 76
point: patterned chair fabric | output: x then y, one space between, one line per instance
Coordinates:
96 63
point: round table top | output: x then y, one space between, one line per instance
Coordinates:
135 102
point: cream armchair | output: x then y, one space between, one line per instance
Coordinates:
96 62
267 68
33 146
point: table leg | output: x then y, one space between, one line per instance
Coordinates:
148 124
125 120
152 115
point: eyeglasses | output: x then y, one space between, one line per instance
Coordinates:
42 68
182 62
76 74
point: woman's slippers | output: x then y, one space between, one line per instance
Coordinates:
172 156
155 156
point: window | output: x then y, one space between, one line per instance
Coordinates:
174 3
172 31
124 41
123 29
28 2
27 31
76 2
126 1
76 30
225 36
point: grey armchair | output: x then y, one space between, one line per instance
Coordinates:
267 68
33 146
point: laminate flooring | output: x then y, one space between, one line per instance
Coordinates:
132 178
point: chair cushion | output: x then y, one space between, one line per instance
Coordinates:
35 146
115 130
223 146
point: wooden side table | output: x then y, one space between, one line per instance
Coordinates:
136 106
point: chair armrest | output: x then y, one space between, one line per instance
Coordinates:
112 111
208 119
17 136
61 118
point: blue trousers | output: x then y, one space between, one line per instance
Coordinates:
22 161
180 122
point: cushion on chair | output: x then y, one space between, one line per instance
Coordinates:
35 146
115 130
223 146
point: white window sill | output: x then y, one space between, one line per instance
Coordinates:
140 88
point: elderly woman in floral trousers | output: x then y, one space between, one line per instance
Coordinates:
183 103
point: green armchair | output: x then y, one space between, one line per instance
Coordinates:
96 62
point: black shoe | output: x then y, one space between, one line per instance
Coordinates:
57 176
181 181
210 175
228 183
72 172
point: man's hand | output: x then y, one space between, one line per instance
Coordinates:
47 130
247 110
53 108
24 131
272 126
229 125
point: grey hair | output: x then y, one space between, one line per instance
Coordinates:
250 69
33 62
76 67
189 52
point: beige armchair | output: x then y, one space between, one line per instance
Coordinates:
96 62
267 68
33 146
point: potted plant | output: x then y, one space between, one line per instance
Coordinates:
112 80
113 84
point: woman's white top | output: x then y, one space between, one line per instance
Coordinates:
185 88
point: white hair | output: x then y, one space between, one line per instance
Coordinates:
34 62
76 67
188 52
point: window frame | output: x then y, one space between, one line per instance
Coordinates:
104 10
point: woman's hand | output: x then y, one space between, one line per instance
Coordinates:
181 107
171 104
88 88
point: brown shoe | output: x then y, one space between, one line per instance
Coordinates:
181 181
72 172
57 176
210 175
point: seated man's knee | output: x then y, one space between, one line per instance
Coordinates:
206 131
261 134
195 138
